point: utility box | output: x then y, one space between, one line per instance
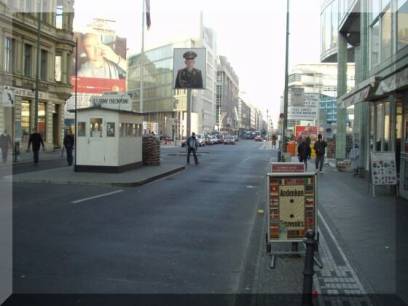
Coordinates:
108 139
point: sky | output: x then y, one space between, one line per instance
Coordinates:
251 34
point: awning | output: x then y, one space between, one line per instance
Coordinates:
355 96
392 83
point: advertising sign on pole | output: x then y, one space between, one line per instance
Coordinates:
292 206
306 131
189 68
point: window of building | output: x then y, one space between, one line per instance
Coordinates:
110 129
28 62
59 15
58 62
375 43
81 129
96 127
44 65
386 31
402 24
9 47
380 31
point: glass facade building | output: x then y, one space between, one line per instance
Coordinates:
376 32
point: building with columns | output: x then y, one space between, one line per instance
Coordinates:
373 34
18 67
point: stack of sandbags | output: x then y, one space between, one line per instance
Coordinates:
151 151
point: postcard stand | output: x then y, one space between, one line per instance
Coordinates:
291 211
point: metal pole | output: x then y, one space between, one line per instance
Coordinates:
76 105
285 96
188 112
37 74
308 271
142 59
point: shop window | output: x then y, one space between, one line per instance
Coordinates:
25 119
402 24
81 129
387 126
379 126
110 129
96 127
42 119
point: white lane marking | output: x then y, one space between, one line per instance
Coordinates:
97 196
336 243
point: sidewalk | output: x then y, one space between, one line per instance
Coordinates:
363 247
66 175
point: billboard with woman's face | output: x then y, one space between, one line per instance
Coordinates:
189 68
101 63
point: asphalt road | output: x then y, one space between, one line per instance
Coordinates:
188 233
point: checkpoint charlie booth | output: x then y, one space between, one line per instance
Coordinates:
109 135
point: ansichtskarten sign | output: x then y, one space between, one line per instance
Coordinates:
292 207
288 167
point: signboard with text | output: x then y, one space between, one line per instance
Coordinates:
308 113
292 206
383 168
288 167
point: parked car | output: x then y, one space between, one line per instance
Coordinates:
213 140
229 140
201 140
258 138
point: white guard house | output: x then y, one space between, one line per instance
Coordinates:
109 135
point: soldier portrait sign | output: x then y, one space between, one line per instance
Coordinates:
291 205
189 68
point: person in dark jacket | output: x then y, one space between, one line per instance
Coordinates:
36 142
304 152
69 142
320 149
192 145
5 143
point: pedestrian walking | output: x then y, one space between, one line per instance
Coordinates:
274 138
320 149
354 157
5 143
69 142
192 145
36 142
304 152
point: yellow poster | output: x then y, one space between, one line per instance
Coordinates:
292 207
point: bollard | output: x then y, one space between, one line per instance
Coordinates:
308 271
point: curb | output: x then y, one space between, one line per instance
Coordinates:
127 184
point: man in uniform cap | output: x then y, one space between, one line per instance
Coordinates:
189 77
